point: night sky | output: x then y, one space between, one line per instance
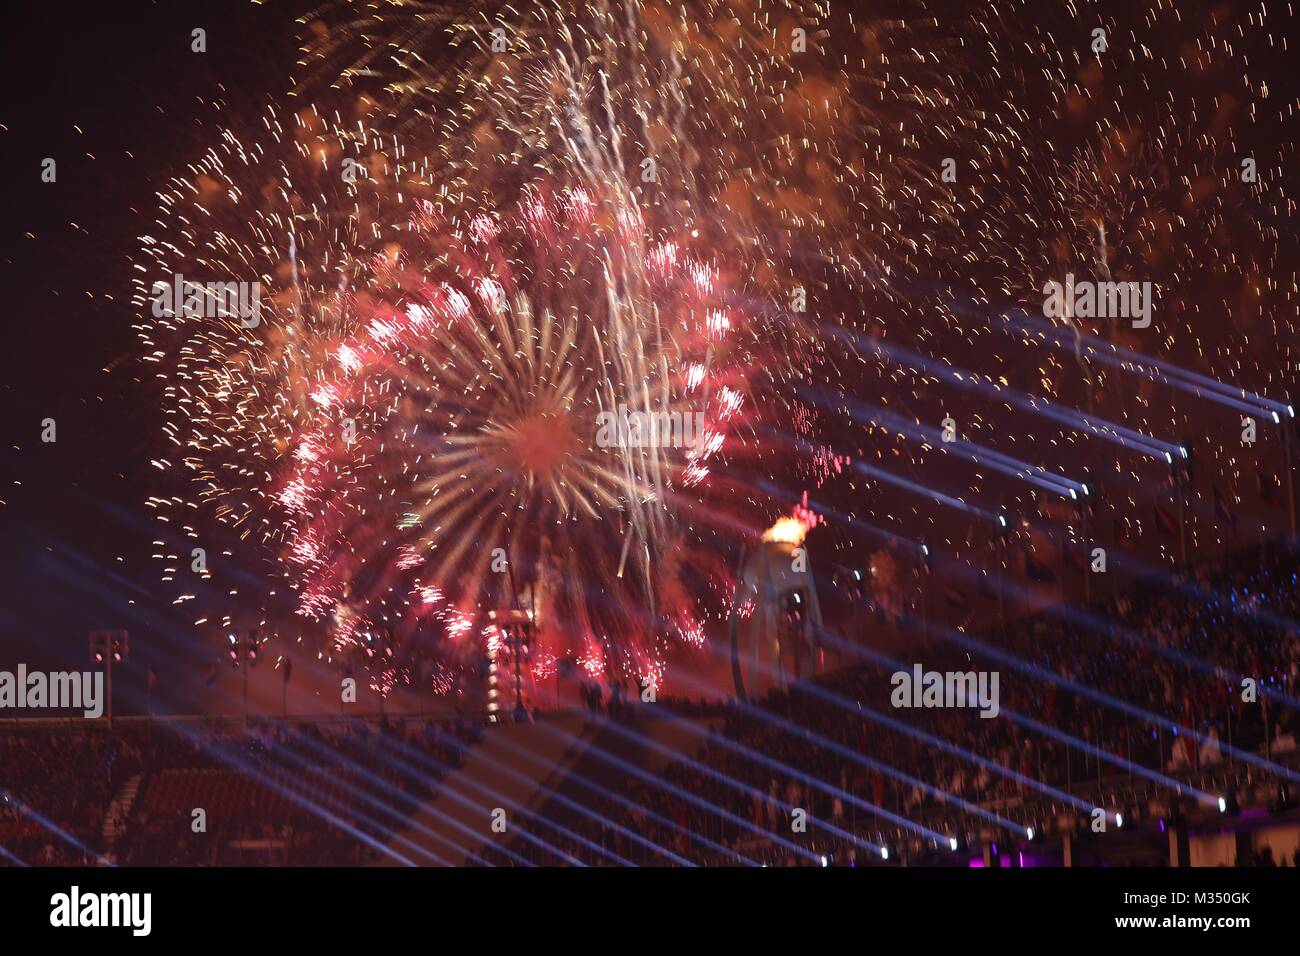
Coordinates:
111 92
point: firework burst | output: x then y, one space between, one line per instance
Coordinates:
430 418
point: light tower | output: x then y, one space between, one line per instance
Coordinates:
775 617
109 648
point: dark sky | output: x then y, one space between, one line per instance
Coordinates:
111 91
